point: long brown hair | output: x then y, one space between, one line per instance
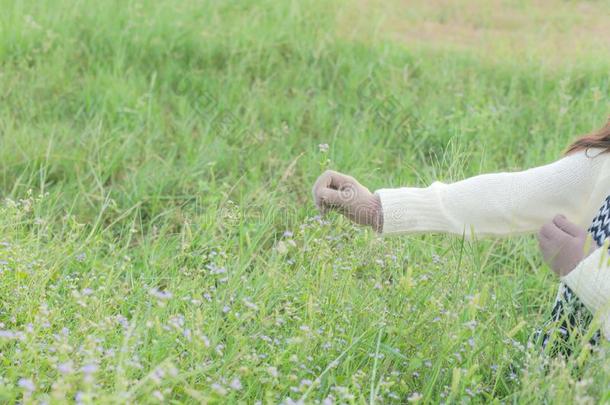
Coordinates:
597 139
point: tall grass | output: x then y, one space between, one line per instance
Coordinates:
158 242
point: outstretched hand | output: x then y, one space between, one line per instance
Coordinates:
564 244
343 193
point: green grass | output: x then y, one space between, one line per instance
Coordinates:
159 243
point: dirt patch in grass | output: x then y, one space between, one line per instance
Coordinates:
556 31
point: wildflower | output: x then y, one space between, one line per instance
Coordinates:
236 384
89 369
157 375
160 294
250 304
273 371
206 341
177 321
122 321
26 384
323 147
219 349
9 334
415 397
220 390
290 401
216 270
393 395
66 368
471 325
329 400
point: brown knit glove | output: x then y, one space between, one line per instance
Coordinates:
564 244
336 191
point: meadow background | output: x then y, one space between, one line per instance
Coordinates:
158 243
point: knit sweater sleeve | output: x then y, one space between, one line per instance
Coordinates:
495 204
590 281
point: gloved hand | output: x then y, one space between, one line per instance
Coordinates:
564 244
336 191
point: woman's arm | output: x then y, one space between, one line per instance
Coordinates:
590 281
495 204
575 257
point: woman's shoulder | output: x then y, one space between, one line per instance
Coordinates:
593 157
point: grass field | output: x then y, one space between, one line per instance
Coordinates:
158 243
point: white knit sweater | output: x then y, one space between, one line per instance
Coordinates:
515 203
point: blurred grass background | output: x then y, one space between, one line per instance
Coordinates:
156 159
